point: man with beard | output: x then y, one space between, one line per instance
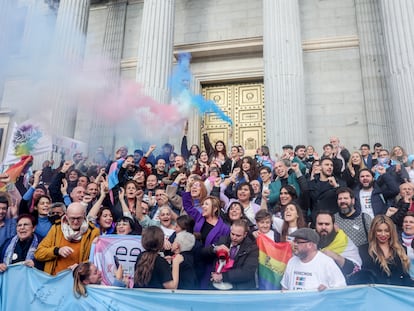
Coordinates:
323 189
336 244
329 152
310 268
179 164
160 172
300 158
371 197
127 170
354 223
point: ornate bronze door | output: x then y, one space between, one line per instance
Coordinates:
244 103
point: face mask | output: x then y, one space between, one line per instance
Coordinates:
383 160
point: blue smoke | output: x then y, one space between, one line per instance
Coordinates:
180 90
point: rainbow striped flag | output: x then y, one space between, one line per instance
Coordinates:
16 170
273 258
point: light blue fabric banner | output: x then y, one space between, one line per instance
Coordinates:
24 288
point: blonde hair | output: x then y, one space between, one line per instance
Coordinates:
361 165
375 251
80 274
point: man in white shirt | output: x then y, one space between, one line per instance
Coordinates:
374 197
310 268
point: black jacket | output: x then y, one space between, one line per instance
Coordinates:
372 272
242 275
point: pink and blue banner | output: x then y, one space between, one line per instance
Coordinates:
126 248
23 288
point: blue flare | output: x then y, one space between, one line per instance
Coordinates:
180 89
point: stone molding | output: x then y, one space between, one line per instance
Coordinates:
249 46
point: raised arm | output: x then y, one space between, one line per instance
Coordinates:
184 146
100 176
189 207
143 161
138 207
171 191
95 208
207 144
54 187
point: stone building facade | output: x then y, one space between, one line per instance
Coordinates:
317 67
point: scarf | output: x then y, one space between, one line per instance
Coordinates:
70 234
8 255
407 239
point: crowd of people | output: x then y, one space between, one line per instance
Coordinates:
348 216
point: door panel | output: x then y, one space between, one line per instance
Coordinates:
244 103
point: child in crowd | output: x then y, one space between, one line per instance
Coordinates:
264 226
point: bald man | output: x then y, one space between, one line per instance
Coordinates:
68 241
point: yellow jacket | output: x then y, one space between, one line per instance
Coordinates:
45 250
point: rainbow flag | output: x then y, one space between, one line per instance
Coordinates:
273 258
15 170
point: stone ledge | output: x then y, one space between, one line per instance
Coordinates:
249 46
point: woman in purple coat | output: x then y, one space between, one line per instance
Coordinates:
208 226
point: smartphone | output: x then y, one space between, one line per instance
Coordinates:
116 261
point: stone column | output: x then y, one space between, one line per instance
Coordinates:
398 26
95 131
283 74
373 68
155 49
6 13
68 50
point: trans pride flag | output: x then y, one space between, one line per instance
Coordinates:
125 247
273 258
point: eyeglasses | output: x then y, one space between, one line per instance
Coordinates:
79 219
24 225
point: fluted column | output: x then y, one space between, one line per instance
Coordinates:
398 25
6 10
155 50
68 50
96 131
373 65
6 26
283 74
